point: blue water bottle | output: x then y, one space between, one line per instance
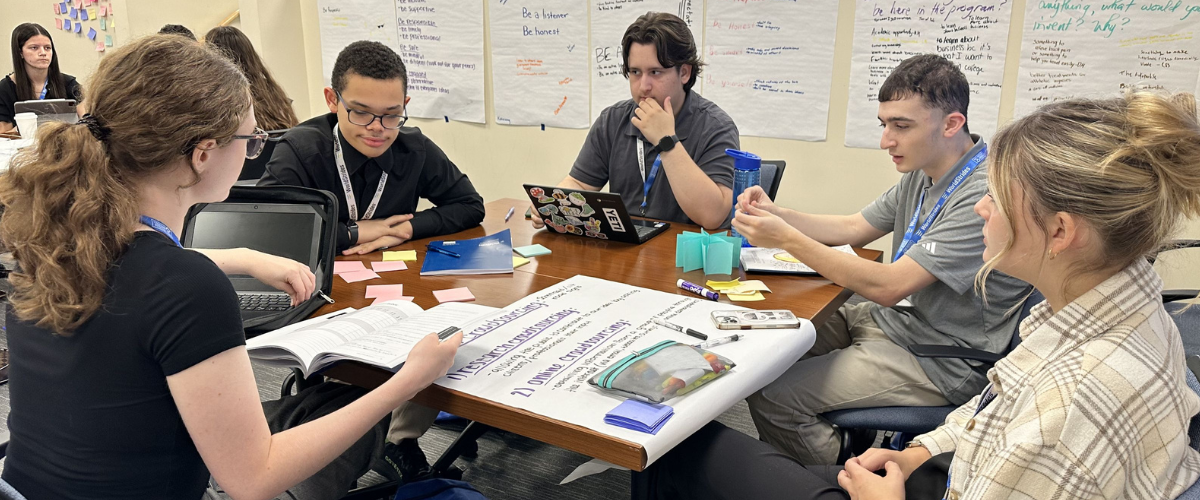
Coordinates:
746 173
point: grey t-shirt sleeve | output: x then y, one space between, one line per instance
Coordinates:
591 166
881 213
713 160
952 248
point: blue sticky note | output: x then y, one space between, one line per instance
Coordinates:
62 7
83 14
78 28
718 258
532 250
639 416
92 33
67 24
74 13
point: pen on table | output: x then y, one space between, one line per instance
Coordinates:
720 341
443 251
445 334
680 329
323 296
509 214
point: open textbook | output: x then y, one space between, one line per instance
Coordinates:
380 335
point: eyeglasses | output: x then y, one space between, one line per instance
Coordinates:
365 119
254 143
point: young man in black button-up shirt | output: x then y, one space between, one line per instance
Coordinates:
378 171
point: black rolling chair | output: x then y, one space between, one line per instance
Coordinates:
770 176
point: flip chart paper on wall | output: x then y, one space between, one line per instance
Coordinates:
971 33
770 65
540 62
1068 50
441 42
609 19
344 21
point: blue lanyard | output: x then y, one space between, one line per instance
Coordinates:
650 181
988 396
157 225
913 234
45 87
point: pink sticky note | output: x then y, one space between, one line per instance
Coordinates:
58 23
346 266
57 11
454 295
396 265
103 11
385 299
381 290
365 274
99 46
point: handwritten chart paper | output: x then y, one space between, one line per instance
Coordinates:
610 18
441 42
540 62
538 353
971 33
770 65
344 21
1098 49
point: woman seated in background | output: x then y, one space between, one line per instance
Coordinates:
272 108
35 74
1093 403
130 377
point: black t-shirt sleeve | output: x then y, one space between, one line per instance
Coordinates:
195 314
8 98
74 90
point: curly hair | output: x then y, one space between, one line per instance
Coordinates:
370 59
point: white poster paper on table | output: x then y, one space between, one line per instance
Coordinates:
441 42
540 62
538 353
609 20
344 21
971 33
770 65
1073 49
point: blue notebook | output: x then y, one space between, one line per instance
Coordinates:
491 254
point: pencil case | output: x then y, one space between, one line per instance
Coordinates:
662 371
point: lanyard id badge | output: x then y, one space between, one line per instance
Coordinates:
647 182
913 234
157 225
344 176
45 87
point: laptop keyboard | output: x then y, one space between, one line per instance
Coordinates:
251 301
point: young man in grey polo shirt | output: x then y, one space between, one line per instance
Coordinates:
860 357
664 120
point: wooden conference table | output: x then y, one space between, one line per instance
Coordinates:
649 265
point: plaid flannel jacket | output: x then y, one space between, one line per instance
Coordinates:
1092 404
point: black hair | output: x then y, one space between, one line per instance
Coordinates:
672 40
933 78
58 86
370 59
177 29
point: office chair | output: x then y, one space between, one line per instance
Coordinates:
252 170
770 176
858 426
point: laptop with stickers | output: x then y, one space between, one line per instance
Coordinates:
591 214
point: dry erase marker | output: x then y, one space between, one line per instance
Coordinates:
509 214
720 341
680 329
697 289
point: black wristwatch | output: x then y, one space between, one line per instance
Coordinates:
353 227
667 143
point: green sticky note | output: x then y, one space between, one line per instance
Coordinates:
532 250
108 40
682 242
717 258
693 257
104 25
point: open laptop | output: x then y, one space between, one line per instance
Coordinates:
590 214
286 230
49 110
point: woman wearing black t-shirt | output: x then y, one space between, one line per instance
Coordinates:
35 74
130 377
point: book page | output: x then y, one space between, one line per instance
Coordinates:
309 340
389 346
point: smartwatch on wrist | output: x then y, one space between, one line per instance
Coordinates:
353 227
667 143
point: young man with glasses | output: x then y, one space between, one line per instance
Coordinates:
378 171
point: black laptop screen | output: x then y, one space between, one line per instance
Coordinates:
289 235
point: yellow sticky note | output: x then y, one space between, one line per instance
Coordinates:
405 255
519 261
746 297
721 285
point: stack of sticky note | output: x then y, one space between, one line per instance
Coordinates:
353 270
715 253
383 293
738 291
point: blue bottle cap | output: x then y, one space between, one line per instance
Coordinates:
743 160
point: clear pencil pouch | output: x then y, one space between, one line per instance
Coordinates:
662 371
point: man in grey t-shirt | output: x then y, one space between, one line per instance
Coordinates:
860 358
663 121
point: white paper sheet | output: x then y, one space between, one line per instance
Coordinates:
972 33
538 353
609 20
1099 49
539 62
770 65
441 42
344 21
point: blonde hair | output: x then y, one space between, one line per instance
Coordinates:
71 205
1128 166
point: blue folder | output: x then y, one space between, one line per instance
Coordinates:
491 254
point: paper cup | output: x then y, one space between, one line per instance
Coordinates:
27 123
